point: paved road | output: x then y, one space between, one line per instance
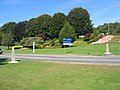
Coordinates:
109 60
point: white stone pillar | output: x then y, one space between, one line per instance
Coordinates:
33 47
13 56
107 50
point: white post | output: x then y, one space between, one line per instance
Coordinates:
107 50
13 56
33 47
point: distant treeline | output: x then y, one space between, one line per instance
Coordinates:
110 28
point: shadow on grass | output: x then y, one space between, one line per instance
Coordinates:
3 61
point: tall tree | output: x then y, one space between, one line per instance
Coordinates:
57 23
38 26
8 40
67 32
79 18
30 29
42 24
8 27
19 32
1 35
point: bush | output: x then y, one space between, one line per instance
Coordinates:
28 42
93 40
18 47
87 37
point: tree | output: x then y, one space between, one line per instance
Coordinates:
16 29
1 34
19 32
57 23
8 40
79 18
67 32
30 29
42 23
111 28
8 27
38 26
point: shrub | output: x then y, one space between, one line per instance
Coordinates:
93 40
18 47
87 37
28 42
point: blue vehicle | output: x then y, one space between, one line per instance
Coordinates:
1 51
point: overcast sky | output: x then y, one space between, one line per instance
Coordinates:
101 11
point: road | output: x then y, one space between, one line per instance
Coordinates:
107 60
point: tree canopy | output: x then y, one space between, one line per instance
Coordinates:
39 25
8 40
57 23
79 18
67 32
110 28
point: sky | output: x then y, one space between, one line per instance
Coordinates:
101 11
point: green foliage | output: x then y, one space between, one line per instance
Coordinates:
110 28
8 27
19 32
1 35
38 26
18 47
57 23
48 27
67 32
79 18
91 37
93 40
30 30
28 42
115 39
54 43
87 37
42 23
79 42
8 40
16 29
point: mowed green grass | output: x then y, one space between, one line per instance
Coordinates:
28 75
86 49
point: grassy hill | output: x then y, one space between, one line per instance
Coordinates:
115 39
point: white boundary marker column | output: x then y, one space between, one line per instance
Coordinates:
33 47
107 50
13 56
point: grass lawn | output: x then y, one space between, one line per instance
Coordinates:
28 75
83 49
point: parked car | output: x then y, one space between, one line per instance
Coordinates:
1 51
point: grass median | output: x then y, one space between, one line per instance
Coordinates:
86 49
29 75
